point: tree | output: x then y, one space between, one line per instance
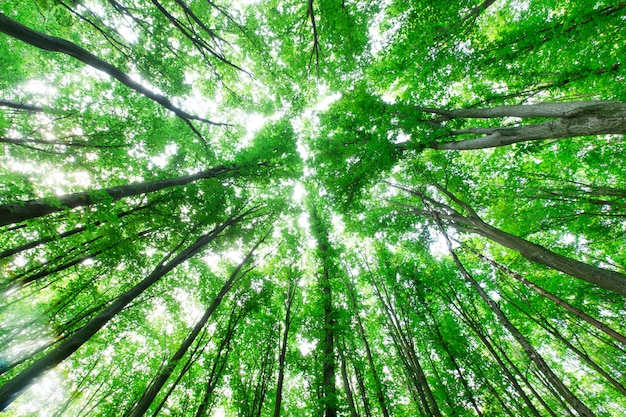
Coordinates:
326 207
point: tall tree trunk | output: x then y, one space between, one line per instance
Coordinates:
604 278
33 244
571 119
217 368
406 349
328 349
368 351
20 211
434 329
472 322
14 387
558 301
156 385
54 44
544 323
291 292
533 355
346 382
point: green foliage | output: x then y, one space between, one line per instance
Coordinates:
346 181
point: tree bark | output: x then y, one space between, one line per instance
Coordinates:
20 211
368 352
603 278
15 386
54 44
44 240
555 129
328 350
533 355
283 349
558 301
151 392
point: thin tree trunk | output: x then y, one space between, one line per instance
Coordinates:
533 355
560 302
54 44
468 392
474 325
20 211
68 233
543 322
151 392
291 292
15 386
368 352
406 350
218 366
346 383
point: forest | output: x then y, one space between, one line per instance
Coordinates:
256 208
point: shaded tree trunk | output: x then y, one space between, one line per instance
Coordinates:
15 386
533 355
328 350
31 209
368 351
151 392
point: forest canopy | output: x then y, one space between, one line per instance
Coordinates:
312 208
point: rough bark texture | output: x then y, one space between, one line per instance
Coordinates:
571 119
555 129
17 212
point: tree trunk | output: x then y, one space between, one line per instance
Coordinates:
565 109
368 352
283 349
54 44
603 278
560 302
533 355
151 392
328 350
346 383
68 233
20 211
218 366
14 387
555 129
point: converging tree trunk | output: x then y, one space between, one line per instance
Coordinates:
472 223
31 209
151 392
533 354
291 293
328 350
55 44
571 119
12 388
